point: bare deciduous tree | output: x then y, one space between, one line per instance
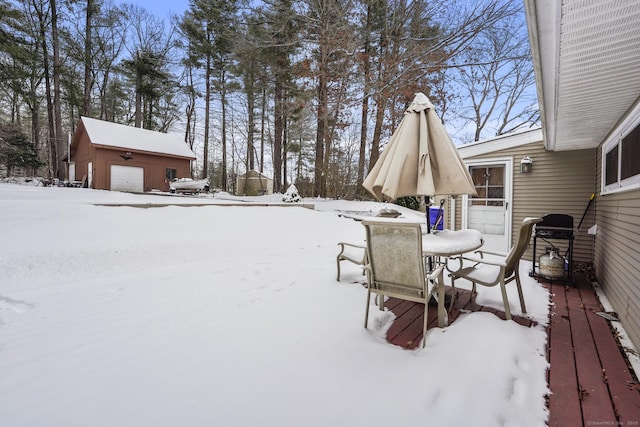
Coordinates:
495 75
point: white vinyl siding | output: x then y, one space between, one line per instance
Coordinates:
560 182
617 254
620 158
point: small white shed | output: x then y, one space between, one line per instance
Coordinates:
254 183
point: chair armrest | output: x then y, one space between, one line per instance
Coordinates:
357 256
497 263
435 273
502 254
343 244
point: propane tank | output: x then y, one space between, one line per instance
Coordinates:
552 264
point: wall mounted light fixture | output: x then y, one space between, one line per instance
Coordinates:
526 165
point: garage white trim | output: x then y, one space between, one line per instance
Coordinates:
127 178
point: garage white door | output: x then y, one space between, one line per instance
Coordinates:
127 178
72 171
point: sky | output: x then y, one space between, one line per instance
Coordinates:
160 8
232 315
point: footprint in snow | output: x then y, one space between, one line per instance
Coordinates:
14 305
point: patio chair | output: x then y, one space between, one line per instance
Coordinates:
500 269
356 254
396 267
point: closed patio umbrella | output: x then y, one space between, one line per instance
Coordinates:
420 159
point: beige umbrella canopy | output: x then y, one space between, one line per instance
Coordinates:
420 159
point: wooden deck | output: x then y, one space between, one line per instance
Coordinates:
590 381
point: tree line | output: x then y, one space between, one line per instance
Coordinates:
306 90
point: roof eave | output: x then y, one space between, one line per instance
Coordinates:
502 142
543 22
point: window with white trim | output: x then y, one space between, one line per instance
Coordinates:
621 160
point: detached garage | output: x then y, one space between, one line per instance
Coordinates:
111 156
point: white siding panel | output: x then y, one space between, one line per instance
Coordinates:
561 182
617 255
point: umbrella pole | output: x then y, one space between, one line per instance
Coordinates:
427 202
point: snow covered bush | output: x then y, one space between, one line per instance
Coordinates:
292 195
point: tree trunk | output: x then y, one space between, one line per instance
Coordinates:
277 138
366 66
251 118
321 131
88 81
35 128
51 141
362 153
263 118
207 112
330 138
138 119
15 108
57 66
103 96
149 114
377 131
285 138
223 102
190 109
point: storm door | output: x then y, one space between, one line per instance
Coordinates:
489 211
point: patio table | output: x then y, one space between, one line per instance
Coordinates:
446 244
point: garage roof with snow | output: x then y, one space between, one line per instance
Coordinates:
114 135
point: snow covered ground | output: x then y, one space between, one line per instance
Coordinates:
231 316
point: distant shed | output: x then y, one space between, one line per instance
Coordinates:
111 156
254 183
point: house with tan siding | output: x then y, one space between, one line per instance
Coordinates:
111 156
558 182
586 56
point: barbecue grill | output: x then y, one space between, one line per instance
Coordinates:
554 227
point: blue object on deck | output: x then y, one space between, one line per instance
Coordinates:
433 218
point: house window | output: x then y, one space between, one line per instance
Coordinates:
170 174
630 158
621 160
611 174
